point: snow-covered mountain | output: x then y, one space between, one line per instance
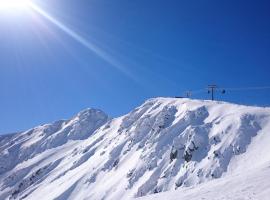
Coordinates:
166 144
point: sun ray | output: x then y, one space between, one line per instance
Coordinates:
92 47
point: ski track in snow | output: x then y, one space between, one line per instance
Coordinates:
180 148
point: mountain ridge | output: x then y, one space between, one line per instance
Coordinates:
162 145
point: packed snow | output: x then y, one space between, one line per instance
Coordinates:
180 148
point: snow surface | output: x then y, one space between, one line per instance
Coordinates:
243 186
193 149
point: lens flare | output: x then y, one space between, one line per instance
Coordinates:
100 52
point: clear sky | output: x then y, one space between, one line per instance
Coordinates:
114 54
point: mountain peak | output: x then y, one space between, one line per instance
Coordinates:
162 145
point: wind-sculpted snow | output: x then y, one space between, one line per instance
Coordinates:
165 144
26 145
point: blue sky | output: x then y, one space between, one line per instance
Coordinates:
143 49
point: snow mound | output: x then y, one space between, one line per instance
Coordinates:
163 145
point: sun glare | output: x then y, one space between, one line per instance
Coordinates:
13 5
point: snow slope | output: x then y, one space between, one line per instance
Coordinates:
248 185
166 144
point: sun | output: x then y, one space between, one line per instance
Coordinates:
13 5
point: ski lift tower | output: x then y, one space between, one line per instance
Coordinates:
212 89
